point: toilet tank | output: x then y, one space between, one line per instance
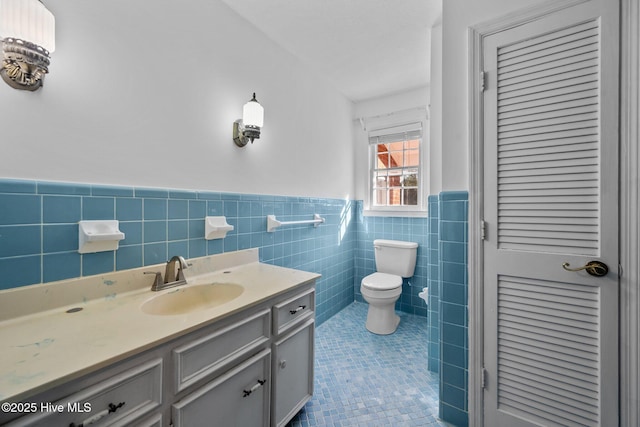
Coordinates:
395 257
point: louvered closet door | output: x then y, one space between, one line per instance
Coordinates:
550 141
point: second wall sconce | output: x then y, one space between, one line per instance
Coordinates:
27 32
248 128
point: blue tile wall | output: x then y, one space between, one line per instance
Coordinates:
442 266
433 281
370 228
39 232
38 243
452 242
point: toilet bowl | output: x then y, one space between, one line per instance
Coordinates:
381 291
394 260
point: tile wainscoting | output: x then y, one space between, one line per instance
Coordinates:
442 266
39 232
39 243
448 321
370 228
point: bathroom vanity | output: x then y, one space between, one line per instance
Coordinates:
245 361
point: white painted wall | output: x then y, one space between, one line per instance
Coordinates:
145 93
377 113
435 111
458 16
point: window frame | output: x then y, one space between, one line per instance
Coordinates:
377 136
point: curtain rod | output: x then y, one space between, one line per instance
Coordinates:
364 119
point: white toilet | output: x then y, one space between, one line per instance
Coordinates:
394 260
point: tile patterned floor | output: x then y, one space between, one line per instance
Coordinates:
368 380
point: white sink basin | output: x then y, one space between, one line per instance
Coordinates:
188 299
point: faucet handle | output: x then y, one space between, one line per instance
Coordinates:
157 281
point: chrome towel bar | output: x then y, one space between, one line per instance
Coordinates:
273 223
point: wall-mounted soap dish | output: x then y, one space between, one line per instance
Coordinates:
216 227
98 236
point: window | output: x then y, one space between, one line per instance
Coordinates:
395 168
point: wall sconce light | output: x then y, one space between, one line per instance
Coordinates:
27 31
248 128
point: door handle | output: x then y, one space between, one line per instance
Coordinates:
594 268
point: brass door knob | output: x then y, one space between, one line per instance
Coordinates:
594 268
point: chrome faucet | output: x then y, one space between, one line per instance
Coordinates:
173 275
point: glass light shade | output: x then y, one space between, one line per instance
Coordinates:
253 113
28 20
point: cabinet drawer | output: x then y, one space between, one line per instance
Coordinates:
288 313
119 400
202 357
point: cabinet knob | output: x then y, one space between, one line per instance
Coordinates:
283 364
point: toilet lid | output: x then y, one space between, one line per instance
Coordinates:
382 281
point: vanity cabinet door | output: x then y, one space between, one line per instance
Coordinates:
239 397
292 373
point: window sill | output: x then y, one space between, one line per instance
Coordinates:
395 213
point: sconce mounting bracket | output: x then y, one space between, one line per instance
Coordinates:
24 64
243 134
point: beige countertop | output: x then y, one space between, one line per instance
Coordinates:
48 346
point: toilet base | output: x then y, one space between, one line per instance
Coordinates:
381 317
382 320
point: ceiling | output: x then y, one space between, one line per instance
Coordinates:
367 48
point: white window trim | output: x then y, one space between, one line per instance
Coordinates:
418 211
397 212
